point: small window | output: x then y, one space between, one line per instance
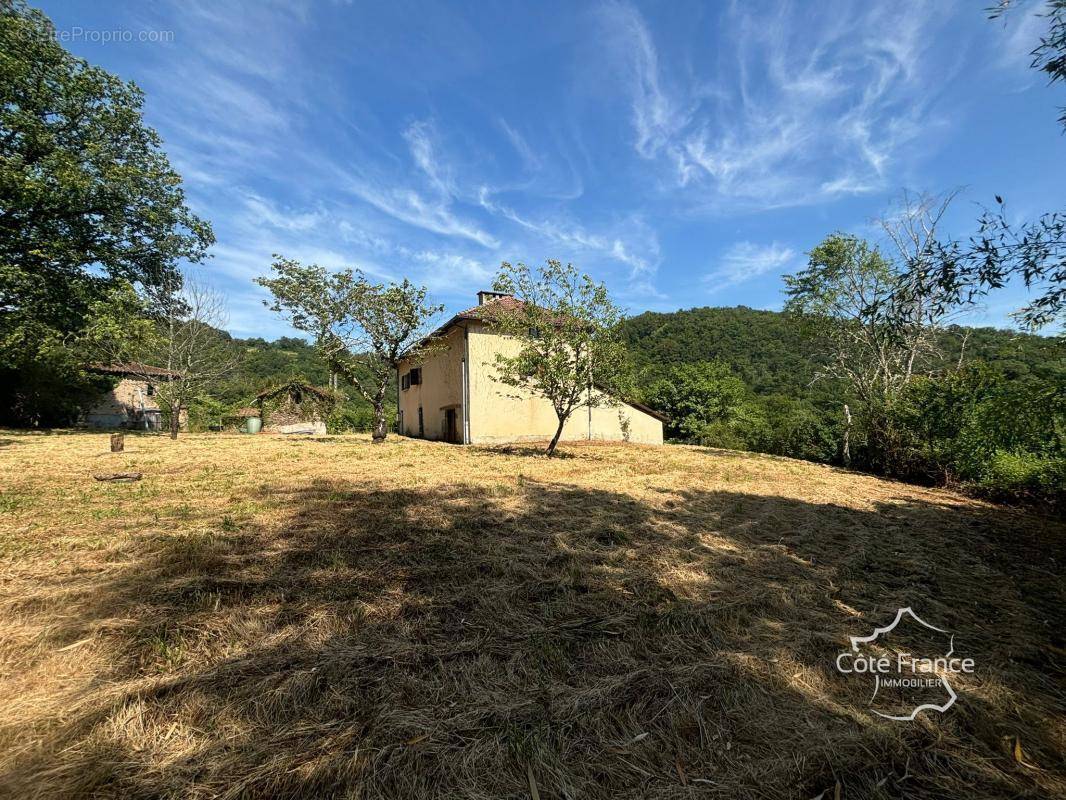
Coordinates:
421 423
405 382
151 390
416 376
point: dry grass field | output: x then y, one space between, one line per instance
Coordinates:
284 618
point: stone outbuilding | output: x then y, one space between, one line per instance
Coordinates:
296 406
133 403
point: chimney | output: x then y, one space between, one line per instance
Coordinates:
486 297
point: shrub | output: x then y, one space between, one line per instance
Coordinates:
796 429
1003 438
355 419
1012 475
696 396
722 434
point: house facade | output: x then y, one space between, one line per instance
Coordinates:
133 402
453 395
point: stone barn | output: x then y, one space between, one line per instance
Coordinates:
296 406
133 402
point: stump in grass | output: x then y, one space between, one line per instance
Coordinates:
117 442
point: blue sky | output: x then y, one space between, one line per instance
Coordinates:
686 153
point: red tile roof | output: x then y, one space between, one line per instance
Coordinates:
503 303
482 313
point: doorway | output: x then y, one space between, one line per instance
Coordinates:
451 427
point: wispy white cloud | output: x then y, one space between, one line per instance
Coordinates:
264 212
657 116
641 257
333 134
799 114
530 160
744 261
420 139
446 271
407 205
1019 33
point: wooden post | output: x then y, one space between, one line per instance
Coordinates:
117 442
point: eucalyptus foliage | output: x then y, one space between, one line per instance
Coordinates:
1000 251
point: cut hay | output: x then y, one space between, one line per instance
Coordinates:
269 617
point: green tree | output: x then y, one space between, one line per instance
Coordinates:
796 429
698 395
974 425
186 338
567 330
87 199
874 337
361 329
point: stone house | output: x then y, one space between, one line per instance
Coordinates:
133 403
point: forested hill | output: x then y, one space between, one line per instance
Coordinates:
765 349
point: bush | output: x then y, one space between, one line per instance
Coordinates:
1014 475
1003 438
356 419
796 429
696 396
722 435
204 413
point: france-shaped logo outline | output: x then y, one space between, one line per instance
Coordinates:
941 707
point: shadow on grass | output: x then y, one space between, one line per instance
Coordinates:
454 642
531 450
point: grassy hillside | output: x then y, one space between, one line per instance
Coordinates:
271 617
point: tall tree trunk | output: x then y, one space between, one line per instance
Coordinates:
555 439
380 427
175 420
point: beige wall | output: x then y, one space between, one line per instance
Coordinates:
441 388
500 413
